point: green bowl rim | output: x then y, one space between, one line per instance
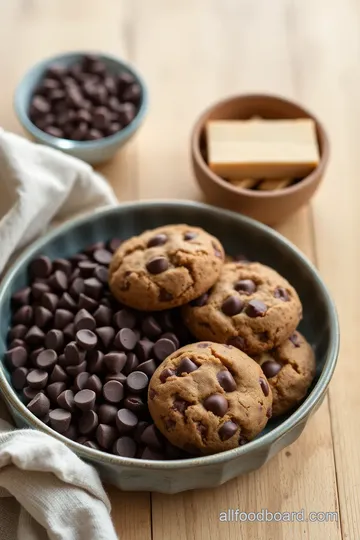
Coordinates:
68 144
264 441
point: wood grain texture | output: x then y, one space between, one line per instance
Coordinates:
192 52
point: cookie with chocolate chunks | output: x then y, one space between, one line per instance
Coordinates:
165 267
290 370
206 398
250 307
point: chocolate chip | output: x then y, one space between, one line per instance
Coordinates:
62 264
228 430
103 316
49 301
77 287
39 405
132 362
165 374
16 357
41 267
60 420
148 367
269 412
73 371
217 404
270 368
58 375
125 339
114 244
85 302
264 387
18 378
54 390
125 420
137 381
21 297
165 296
186 366
232 306
106 435
226 381
86 339
200 301
242 440
69 332
152 438
107 414
23 315
245 286
173 338
67 303
106 335
190 235
58 281
88 422
150 327
144 349
83 320
102 256
114 361
85 399
113 391
157 265
152 393
158 240
282 294
295 340
163 348
125 447
93 288
180 404
125 319
94 383
37 378
17 332
38 289
255 308
66 400
102 274
54 339
73 355
237 341
46 359
62 318
94 361
135 404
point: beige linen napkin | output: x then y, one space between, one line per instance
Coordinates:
46 491
38 184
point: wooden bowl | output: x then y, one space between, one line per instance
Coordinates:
269 207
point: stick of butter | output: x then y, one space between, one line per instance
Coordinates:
262 148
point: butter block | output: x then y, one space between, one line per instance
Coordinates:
262 148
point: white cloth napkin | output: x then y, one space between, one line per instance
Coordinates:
46 491
38 184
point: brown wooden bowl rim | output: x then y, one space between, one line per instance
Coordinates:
283 192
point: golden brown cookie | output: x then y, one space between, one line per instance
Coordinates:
207 397
165 267
290 370
251 307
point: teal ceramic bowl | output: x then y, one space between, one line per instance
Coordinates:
92 152
238 234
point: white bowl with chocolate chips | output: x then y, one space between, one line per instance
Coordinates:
83 366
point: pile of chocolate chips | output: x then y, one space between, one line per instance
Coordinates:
84 101
82 361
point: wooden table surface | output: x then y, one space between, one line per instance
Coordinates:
192 52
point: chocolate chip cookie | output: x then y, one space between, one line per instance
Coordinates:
207 397
165 267
290 370
251 307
